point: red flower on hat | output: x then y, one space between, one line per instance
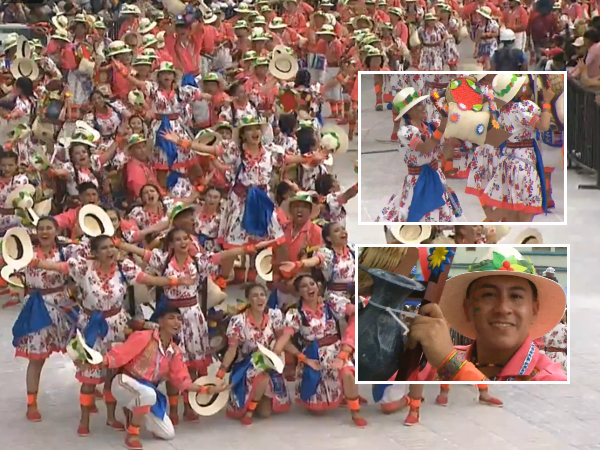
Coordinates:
506 266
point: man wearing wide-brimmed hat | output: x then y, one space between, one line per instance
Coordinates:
504 306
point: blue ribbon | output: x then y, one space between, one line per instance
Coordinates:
161 305
97 327
33 317
378 390
428 194
320 119
258 212
539 165
169 148
238 380
202 238
272 303
310 377
189 80
159 409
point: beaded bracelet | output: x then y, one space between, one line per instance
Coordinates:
451 366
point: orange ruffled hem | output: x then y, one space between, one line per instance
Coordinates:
487 201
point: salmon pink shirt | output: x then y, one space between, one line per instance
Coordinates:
144 358
309 236
527 364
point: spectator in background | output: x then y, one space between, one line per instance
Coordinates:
508 57
588 70
541 27
550 274
14 12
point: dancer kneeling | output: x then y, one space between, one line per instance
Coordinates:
145 359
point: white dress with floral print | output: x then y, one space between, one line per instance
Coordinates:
516 183
20 114
193 337
557 338
6 187
254 172
432 58
319 326
208 226
398 206
337 270
308 175
107 124
451 54
334 211
82 175
245 333
483 161
145 218
54 338
103 292
175 103
487 47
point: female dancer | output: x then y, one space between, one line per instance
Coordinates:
336 261
554 344
103 282
23 109
104 117
433 35
263 392
333 198
313 321
451 23
208 220
516 188
485 157
50 290
421 142
255 166
176 262
486 37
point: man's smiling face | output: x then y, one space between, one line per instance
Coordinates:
502 309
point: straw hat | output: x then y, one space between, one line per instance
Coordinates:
148 40
136 97
78 350
301 196
85 134
61 35
384 258
517 236
135 139
485 11
334 139
17 250
283 65
12 276
20 197
479 76
117 48
94 221
60 22
24 48
277 24
431 17
208 405
208 137
264 264
328 30
270 360
410 234
25 68
215 295
128 9
503 261
507 85
406 99
146 25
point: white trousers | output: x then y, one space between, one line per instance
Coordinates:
520 40
132 394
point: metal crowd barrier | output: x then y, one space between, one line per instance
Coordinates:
583 130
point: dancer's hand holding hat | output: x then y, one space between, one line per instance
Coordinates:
209 389
430 329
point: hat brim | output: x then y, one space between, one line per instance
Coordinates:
344 142
9 274
550 294
208 405
94 221
16 193
516 237
283 66
25 68
410 106
397 233
210 138
264 264
91 356
511 94
483 14
10 251
276 361
151 26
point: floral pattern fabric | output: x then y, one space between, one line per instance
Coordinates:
432 57
516 183
398 206
556 338
245 333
